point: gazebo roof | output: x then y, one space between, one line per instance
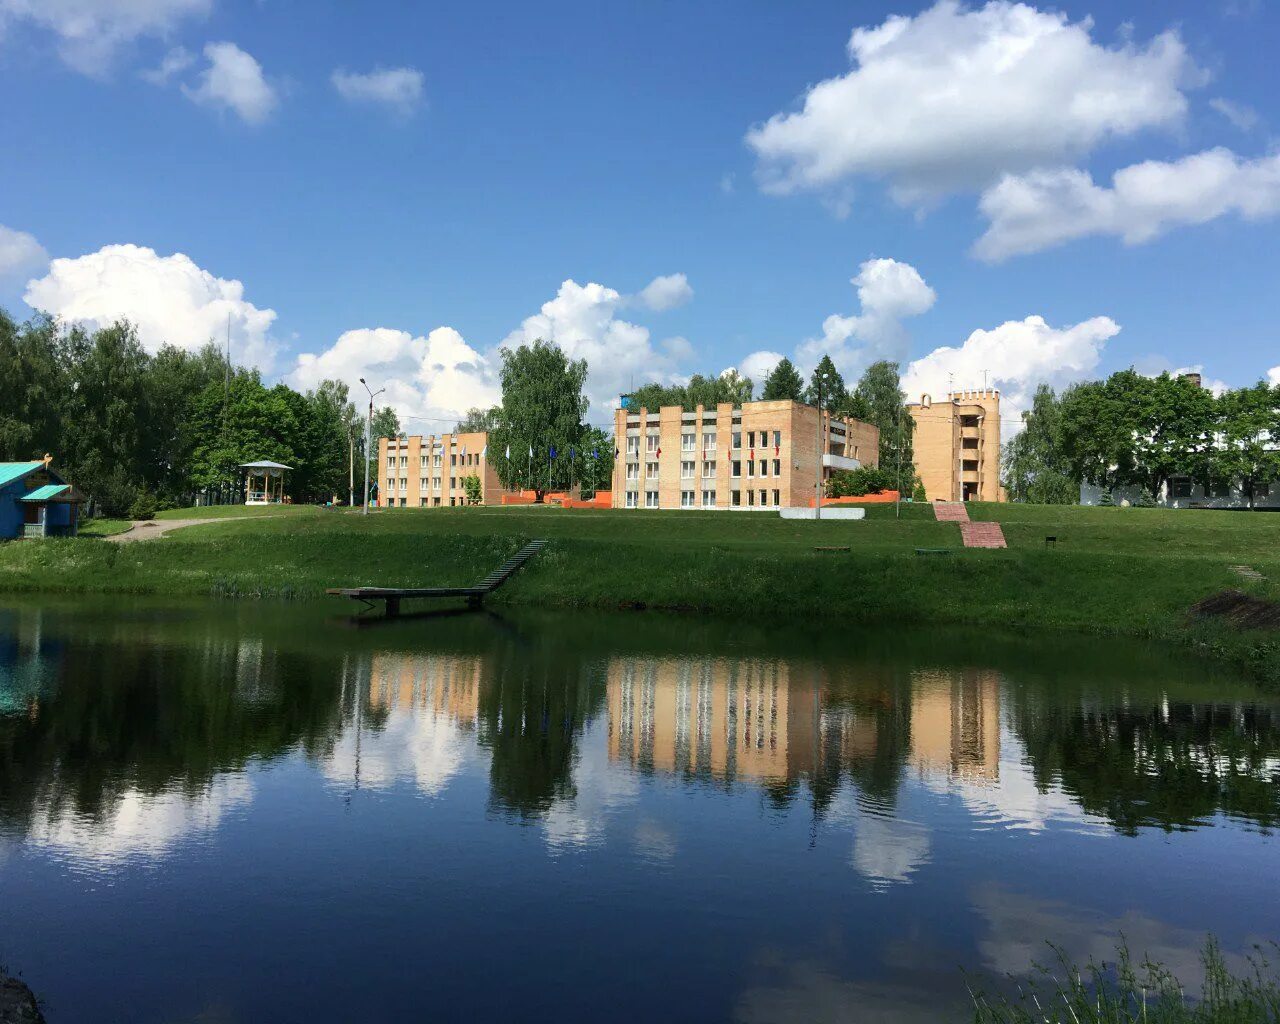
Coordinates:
264 464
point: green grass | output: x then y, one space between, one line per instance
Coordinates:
104 527
1117 571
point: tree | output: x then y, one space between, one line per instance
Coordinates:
1036 468
783 382
835 396
858 482
478 420
596 465
542 411
472 489
707 392
880 400
1247 438
33 366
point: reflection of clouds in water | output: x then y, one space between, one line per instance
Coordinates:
886 850
140 824
1021 926
654 842
600 790
427 747
1013 800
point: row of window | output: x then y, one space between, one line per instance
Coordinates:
688 442
755 467
689 499
470 459
422 502
435 483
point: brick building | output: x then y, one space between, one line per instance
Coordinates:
428 472
756 455
957 446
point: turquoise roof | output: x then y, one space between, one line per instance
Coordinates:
46 492
11 471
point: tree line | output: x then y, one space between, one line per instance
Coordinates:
135 431
1135 431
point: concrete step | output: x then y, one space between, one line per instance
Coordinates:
982 535
950 512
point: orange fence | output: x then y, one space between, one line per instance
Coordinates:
603 499
863 499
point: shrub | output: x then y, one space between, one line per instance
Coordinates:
472 488
918 494
855 483
1106 500
143 507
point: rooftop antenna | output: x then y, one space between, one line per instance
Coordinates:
951 384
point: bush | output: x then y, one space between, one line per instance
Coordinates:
143 507
918 494
114 494
855 483
1106 500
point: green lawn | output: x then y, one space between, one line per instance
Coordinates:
104 527
1124 571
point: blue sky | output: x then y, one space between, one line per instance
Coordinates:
608 143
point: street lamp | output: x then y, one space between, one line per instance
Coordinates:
817 487
368 440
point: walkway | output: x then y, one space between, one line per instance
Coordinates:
150 529
972 535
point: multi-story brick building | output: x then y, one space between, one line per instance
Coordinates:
428 472
756 455
957 445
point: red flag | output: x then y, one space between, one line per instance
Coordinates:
751 453
659 453
777 449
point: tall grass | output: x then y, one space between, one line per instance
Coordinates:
1101 993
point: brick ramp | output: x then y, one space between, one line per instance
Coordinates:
950 512
982 535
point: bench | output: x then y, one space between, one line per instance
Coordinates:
835 547
934 551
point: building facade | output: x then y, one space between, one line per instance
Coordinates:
759 455
957 445
430 472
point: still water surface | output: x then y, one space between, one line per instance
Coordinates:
234 813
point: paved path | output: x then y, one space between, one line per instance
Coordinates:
150 529
972 535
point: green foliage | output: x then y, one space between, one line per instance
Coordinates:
835 395
143 507
478 420
1065 993
783 382
472 489
594 465
918 493
1106 501
707 392
1034 463
879 399
857 482
542 409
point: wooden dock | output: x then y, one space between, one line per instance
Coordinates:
474 595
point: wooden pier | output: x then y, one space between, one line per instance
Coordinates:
474 595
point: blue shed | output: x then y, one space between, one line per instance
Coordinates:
36 502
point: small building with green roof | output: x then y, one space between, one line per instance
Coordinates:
36 502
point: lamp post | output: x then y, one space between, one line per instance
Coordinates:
368 440
817 487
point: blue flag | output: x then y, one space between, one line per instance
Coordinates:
570 453
553 451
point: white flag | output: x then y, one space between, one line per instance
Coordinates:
508 453
483 451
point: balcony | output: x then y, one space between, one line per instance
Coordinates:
970 433
840 462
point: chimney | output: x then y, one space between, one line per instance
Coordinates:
1194 378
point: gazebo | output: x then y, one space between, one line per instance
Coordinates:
270 475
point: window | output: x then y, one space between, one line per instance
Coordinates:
777 467
391 463
650 469
404 484
735 498
423 463
435 461
422 483
631 499
688 442
686 471
735 468
422 503
764 497
404 461
708 499
709 441
633 445
402 503
708 471
751 467
650 499
764 467
777 438
435 484
751 498
737 439
751 438
453 460
1220 491
633 471
1180 487
777 498
686 499
652 443
453 483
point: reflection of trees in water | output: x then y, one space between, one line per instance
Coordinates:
150 718
1168 766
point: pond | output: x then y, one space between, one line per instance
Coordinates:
237 811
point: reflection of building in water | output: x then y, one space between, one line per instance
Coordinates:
440 684
731 719
28 662
955 724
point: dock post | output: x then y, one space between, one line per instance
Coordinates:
393 607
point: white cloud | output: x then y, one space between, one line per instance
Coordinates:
1243 117
1048 208
1014 357
20 253
91 32
954 96
398 89
666 292
582 320
1273 375
234 81
888 293
429 381
176 61
758 366
169 298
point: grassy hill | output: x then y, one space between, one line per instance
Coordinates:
1124 571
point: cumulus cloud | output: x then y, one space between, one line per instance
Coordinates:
431 380
1047 208
234 81
1014 357
20 253
758 366
397 89
583 321
1243 117
953 97
176 61
91 32
888 292
168 298
666 292
1273 375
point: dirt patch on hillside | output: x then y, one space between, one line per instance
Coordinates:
1240 609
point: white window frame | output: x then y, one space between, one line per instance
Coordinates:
709 470
633 471
708 499
688 442
686 470
687 499
651 499
632 498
